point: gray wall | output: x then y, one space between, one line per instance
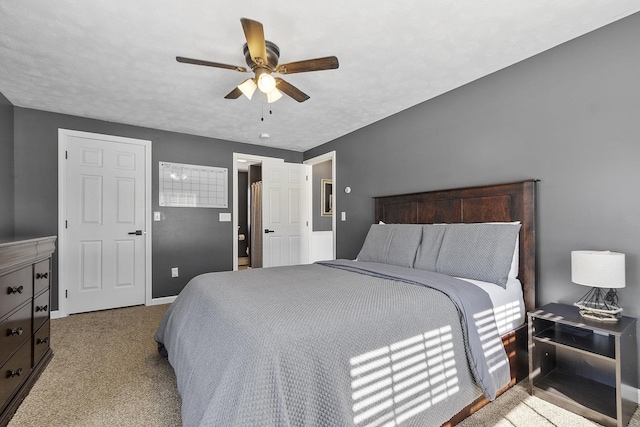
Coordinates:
320 171
191 239
6 167
569 116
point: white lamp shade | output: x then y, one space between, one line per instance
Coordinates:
600 269
248 87
273 96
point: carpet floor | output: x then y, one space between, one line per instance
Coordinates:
106 372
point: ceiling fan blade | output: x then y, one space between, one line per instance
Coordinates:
291 90
318 64
210 64
234 94
254 33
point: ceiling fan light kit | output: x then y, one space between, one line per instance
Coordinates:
266 82
273 96
262 57
248 87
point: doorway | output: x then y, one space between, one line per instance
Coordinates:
283 238
249 218
103 218
242 163
323 205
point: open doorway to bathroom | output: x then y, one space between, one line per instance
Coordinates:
249 193
279 219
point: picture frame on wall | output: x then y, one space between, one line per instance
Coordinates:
327 197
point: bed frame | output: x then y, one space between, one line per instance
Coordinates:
492 203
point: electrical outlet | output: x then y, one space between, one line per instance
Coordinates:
174 272
343 216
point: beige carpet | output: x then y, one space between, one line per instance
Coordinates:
106 372
517 408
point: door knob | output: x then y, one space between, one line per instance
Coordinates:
268 231
137 232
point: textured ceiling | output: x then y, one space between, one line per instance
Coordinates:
115 60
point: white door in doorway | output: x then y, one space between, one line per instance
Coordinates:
105 222
284 214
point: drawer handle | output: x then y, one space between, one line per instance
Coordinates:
44 340
14 331
42 275
42 308
16 289
15 373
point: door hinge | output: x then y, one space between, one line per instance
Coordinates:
307 176
307 223
66 224
66 154
66 293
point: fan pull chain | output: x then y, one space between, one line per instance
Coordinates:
270 111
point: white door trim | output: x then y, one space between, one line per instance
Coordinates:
252 158
331 155
62 199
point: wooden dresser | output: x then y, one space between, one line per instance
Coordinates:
25 276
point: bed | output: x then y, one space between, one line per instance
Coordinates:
388 339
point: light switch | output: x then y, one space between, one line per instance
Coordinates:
225 216
157 216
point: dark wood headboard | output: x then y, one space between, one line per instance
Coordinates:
491 203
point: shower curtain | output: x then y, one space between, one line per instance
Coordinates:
256 225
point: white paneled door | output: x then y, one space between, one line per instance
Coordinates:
284 214
105 222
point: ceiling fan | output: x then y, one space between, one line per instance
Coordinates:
262 57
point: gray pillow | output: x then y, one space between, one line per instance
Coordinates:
391 244
478 251
376 244
429 248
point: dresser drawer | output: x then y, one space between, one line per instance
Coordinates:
41 276
15 288
41 342
14 331
41 308
15 371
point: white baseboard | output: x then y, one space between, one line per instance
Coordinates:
163 300
56 314
630 393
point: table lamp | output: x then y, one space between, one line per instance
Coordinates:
600 270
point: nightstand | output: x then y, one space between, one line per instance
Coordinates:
585 366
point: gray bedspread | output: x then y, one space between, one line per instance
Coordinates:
314 345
